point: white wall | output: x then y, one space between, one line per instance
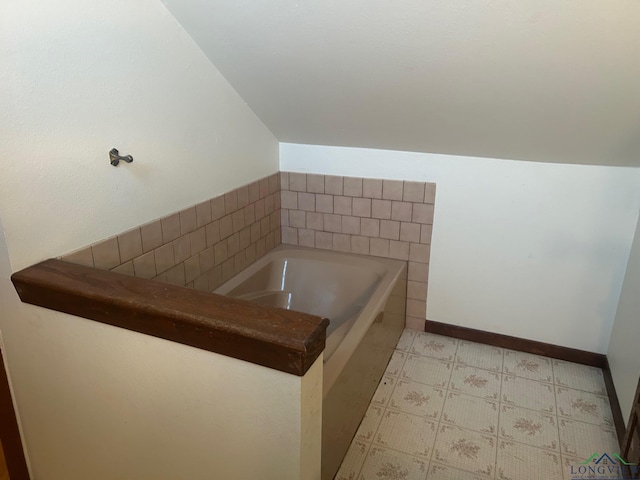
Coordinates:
533 250
625 336
79 78
76 79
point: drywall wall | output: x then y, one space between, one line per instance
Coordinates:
78 79
528 249
101 402
625 336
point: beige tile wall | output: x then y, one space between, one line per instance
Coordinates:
204 245
199 247
385 218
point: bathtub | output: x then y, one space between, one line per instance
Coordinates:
364 299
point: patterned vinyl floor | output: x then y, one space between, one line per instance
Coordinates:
448 409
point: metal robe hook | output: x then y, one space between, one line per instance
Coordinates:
115 157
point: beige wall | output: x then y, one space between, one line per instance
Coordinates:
81 78
95 401
532 250
625 336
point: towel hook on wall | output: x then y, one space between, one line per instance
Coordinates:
115 157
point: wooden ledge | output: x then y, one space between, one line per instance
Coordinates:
276 338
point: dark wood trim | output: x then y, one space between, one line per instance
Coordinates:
276 338
515 343
9 432
629 444
616 411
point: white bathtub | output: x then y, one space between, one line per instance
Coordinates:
364 299
349 290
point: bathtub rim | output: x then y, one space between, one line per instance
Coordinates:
390 270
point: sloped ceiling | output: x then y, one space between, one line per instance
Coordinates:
539 80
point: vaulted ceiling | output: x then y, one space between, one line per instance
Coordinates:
538 80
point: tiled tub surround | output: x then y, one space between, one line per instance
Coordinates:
384 218
199 247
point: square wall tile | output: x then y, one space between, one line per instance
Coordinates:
203 213
361 207
324 203
315 183
164 258
372 188
352 187
341 242
413 192
297 182
409 232
106 254
342 205
381 209
324 240
422 213
145 265
392 189
289 200
315 221
307 201
390 229
351 225
379 247
217 207
360 245
306 238
370 227
188 220
401 211
333 185
151 235
170 228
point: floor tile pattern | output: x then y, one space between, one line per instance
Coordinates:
449 409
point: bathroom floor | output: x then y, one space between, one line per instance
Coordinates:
449 409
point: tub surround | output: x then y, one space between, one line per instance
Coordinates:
199 247
384 218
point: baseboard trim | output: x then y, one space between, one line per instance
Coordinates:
538 348
616 411
515 343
